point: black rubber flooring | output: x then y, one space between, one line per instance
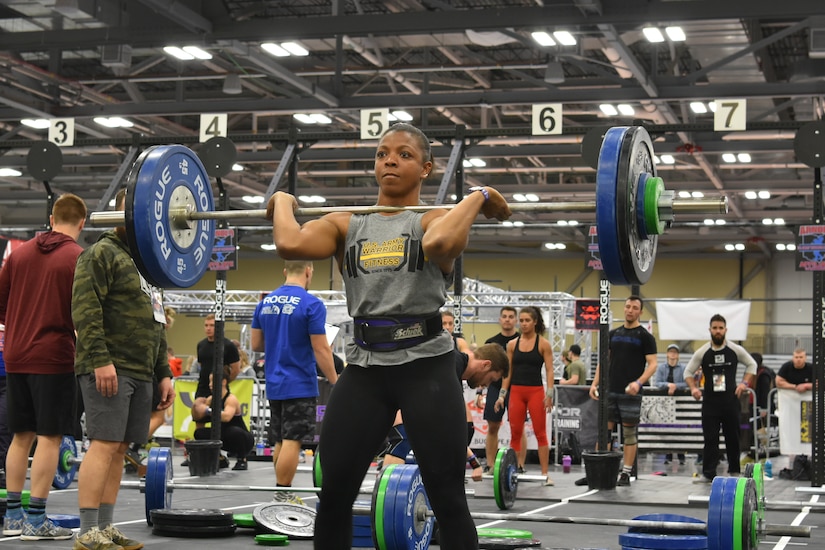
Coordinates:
651 493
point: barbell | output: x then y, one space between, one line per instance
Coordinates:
158 485
402 520
169 213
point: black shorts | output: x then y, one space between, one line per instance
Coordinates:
41 403
292 419
490 413
155 395
623 408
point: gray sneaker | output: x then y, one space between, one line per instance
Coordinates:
94 539
45 531
288 497
13 527
113 533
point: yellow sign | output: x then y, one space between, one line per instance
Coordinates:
183 428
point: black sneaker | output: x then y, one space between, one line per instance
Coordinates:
185 462
580 482
241 464
521 470
624 480
223 462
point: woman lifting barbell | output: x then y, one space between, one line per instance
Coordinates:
396 268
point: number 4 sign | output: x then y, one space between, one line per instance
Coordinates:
547 119
213 125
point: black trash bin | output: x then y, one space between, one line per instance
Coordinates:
602 468
203 456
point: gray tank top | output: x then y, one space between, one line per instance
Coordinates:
386 275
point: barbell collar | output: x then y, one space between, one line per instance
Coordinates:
182 216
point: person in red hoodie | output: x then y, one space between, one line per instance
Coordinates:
35 305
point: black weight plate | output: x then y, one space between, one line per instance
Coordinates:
809 144
592 144
196 517
700 529
673 541
44 161
187 531
506 543
218 154
637 255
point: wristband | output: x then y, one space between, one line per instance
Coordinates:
473 461
502 394
483 192
746 384
639 383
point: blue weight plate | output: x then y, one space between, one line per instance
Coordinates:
69 521
700 529
165 178
158 475
637 255
607 177
727 512
361 531
66 472
641 223
361 542
654 541
411 533
714 513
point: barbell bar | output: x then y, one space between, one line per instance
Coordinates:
170 211
182 217
158 484
770 504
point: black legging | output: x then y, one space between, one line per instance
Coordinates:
724 412
360 412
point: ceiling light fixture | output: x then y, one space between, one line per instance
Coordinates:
274 49
177 52
764 194
554 73
232 84
403 116
729 157
608 109
676 34
36 123
653 35
668 159
237 167
743 157
10 173
565 38
295 49
253 199
698 107
268 246
543 39
197 53
626 109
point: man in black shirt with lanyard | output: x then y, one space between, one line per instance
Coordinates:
632 363
720 402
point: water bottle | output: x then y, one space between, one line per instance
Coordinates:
768 469
259 448
566 461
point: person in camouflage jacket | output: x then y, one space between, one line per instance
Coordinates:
121 344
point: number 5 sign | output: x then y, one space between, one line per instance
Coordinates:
731 114
374 123
547 119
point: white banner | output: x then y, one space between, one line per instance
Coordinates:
795 422
690 320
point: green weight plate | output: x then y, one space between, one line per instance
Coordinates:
738 516
270 539
505 478
317 475
244 520
653 191
377 511
484 532
758 476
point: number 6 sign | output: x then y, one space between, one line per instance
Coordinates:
547 119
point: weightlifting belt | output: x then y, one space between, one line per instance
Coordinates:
389 334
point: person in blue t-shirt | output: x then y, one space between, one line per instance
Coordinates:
288 325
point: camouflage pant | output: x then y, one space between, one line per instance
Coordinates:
292 419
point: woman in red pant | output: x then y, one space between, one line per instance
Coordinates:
527 354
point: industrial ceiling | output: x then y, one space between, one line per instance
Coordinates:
458 67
